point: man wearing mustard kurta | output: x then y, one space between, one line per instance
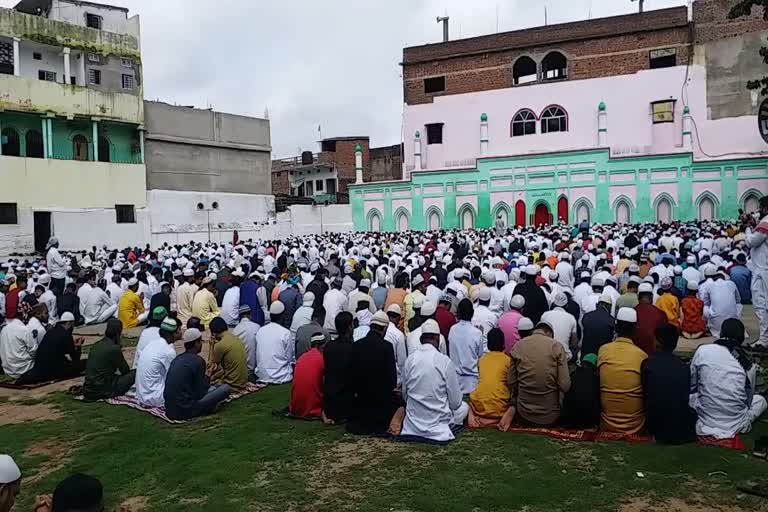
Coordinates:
204 304
621 390
130 309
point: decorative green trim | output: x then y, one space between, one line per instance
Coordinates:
358 148
418 134
602 130
483 140
601 106
686 110
686 133
484 117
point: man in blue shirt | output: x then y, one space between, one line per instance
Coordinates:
742 278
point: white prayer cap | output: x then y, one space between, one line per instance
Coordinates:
67 317
44 279
395 308
645 288
517 302
531 270
585 257
430 327
380 319
627 315
597 281
418 301
188 272
191 335
365 283
417 280
691 259
693 285
497 261
133 281
678 269
710 271
554 276
606 298
238 273
428 308
489 277
9 471
309 298
277 308
484 294
634 267
525 324
559 300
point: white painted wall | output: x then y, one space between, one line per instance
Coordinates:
51 60
306 219
113 20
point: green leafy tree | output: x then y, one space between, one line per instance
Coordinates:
743 8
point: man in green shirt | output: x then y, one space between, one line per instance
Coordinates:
228 359
106 373
629 298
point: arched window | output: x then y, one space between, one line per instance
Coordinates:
374 222
104 148
401 219
554 66
623 212
434 221
467 218
34 144
706 209
524 123
524 71
664 211
554 119
79 148
751 203
10 141
582 213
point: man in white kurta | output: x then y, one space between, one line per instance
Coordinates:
17 348
97 306
757 240
185 295
247 330
563 324
719 394
721 302
431 390
153 366
467 346
484 318
334 302
274 349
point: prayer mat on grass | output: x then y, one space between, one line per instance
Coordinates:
159 412
9 384
557 433
734 443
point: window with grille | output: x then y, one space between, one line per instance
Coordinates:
9 213
126 214
663 111
93 21
94 58
663 58
128 82
524 123
319 185
554 119
79 148
94 77
48 76
37 56
126 63
435 133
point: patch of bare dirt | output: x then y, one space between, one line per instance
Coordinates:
679 505
11 414
134 504
57 454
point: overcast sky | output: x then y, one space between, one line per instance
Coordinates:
332 63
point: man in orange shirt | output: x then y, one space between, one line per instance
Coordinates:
668 303
693 325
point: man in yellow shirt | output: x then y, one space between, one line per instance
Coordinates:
204 304
668 303
621 389
489 403
228 361
130 308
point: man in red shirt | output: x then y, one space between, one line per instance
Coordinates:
443 316
307 388
649 318
12 298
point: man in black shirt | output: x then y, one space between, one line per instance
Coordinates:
187 385
161 299
535 301
666 385
338 396
598 328
373 380
581 405
58 355
318 285
69 301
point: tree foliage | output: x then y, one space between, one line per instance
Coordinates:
743 8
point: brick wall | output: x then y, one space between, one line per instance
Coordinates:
344 159
594 49
710 18
280 183
386 163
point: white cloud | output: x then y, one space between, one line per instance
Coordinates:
333 63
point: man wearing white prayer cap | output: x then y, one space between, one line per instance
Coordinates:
10 482
430 378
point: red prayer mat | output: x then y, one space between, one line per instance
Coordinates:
734 443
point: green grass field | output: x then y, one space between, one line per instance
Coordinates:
246 459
